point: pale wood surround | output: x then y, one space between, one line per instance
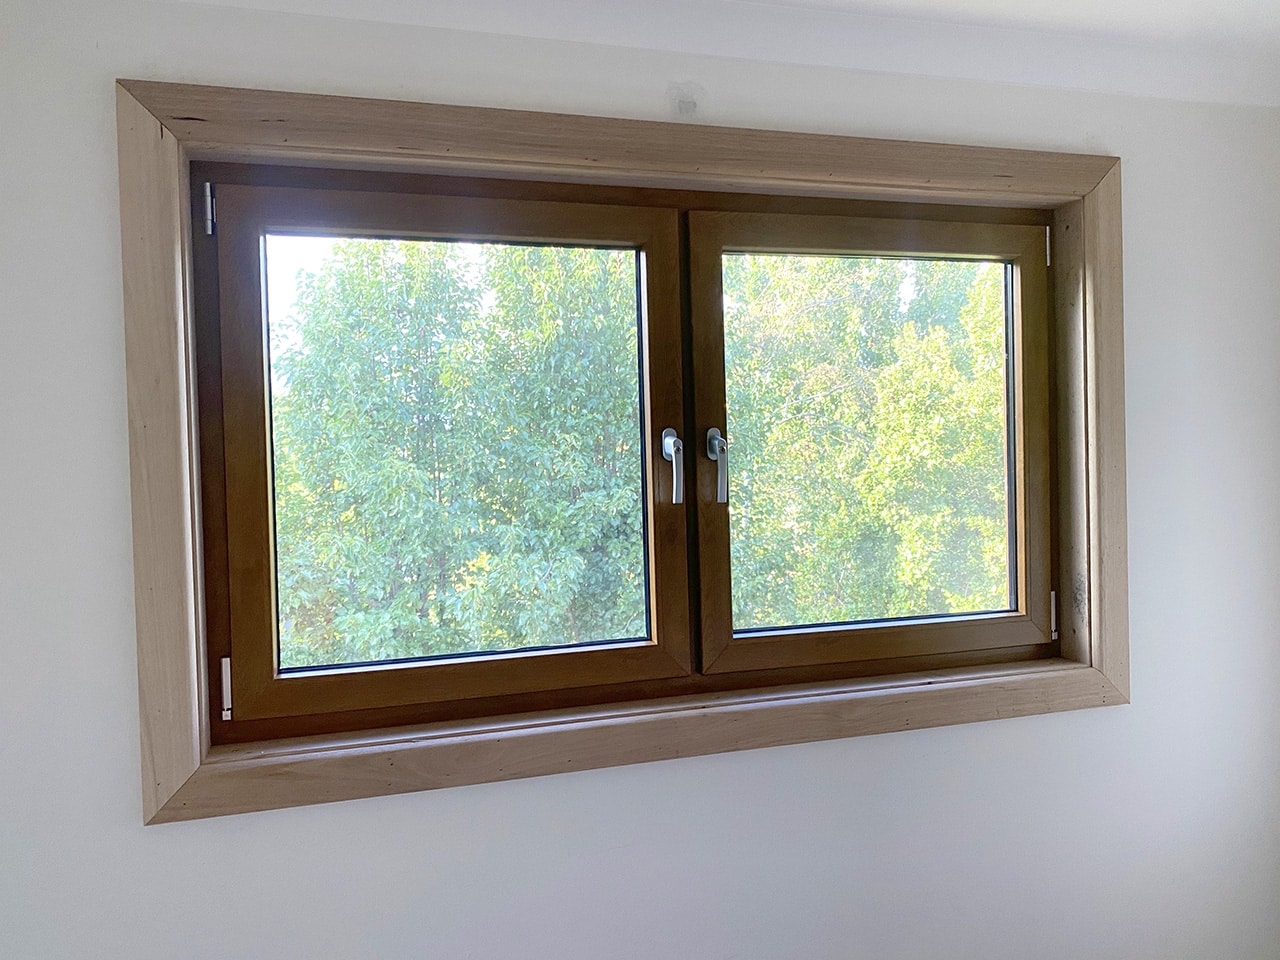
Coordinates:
163 126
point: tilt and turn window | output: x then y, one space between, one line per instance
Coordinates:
465 456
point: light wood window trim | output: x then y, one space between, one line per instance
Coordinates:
162 127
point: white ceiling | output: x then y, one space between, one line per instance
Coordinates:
1209 50
1251 21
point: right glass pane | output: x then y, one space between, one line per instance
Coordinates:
869 423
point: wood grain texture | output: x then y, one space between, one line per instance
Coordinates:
184 778
225 123
245 213
321 770
713 233
1104 319
1032 428
693 685
1072 470
157 366
339 178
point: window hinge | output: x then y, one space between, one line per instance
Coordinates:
210 210
1048 248
1053 614
226 688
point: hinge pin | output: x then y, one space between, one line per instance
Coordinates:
1053 614
226 688
210 214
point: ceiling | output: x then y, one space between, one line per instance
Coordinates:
1206 50
1226 21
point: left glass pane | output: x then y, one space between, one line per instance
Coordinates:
457 447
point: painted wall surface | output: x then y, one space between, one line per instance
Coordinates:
1144 831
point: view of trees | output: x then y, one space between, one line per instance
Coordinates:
457 451
456 433
866 402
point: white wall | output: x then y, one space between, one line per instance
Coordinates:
1147 831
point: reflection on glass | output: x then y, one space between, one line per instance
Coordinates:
868 423
456 447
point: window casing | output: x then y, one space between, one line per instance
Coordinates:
191 769
683 655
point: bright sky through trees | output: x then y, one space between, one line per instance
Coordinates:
457 449
457 444
866 403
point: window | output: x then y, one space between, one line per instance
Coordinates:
451 473
467 478
885 384
450 498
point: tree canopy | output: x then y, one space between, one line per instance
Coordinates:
866 403
457 461
457 445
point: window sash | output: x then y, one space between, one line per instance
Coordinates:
245 214
711 235
663 666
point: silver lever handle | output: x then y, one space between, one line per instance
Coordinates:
718 450
673 450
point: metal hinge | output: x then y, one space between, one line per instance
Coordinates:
210 210
226 688
1053 614
1048 248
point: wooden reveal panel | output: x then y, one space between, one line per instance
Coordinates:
1104 360
160 125
225 123
153 232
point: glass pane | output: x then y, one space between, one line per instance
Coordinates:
867 427
457 447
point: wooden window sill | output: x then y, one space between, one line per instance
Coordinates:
286 773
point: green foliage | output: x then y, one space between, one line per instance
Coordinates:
457 446
866 411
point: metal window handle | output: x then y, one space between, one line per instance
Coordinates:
673 450
718 450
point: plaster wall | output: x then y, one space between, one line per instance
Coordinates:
1144 831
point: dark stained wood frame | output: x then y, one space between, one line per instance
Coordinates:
162 128
710 236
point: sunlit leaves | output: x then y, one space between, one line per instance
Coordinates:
867 418
456 433
457 448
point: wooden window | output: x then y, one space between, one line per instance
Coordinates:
396 517
901 434
411 488
933 490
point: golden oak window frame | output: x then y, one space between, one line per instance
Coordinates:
259 689
241 607
1022 249
164 127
